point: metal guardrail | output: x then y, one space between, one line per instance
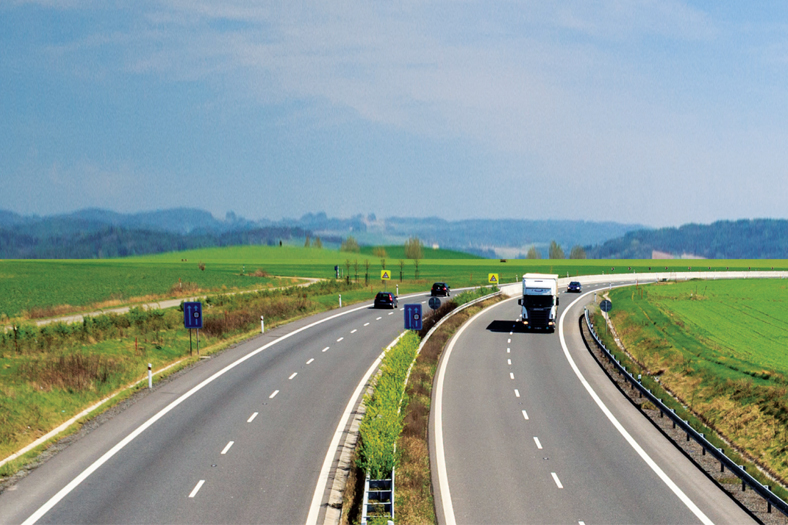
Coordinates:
747 480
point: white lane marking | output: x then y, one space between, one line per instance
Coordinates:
538 443
508 350
581 523
251 418
322 479
424 302
74 483
378 319
557 481
509 341
509 361
353 331
273 395
366 324
391 313
511 375
627 436
197 488
326 349
525 415
511 333
310 361
440 452
293 375
230 444
338 340
516 393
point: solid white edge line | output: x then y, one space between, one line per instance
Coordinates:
226 448
557 481
293 375
62 493
440 454
251 418
538 443
634 444
196 489
322 479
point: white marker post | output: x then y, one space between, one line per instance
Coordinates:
262 324
150 377
340 300
397 290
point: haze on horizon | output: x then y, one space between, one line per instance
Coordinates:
635 111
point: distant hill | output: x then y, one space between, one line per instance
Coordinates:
103 233
743 239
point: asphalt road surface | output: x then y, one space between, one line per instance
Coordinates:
525 441
245 447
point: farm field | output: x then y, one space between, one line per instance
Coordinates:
42 287
720 346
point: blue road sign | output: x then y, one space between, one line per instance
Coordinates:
412 317
192 315
435 303
606 306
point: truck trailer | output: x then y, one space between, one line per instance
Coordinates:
540 301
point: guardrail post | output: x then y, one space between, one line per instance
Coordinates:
768 502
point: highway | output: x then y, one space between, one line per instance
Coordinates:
239 439
525 431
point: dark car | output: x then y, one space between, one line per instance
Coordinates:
440 289
386 300
574 286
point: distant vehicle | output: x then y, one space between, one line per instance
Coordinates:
440 289
574 286
540 301
386 300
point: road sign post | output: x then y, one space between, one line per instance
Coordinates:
192 320
606 306
434 303
413 317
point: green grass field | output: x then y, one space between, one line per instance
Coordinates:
721 347
31 285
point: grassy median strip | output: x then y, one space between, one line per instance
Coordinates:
716 346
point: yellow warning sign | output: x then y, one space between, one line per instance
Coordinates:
385 275
492 278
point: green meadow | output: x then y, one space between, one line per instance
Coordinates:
721 347
39 287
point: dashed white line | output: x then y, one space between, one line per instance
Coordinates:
538 443
511 333
391 313
252 418
581 523
293 375
511 375
310 361
509 361
353 331
230 444
197 488
424 302
378 319
273 395
338 340
509 341
525 415
516 393
326 349
366 324
557 481
508 350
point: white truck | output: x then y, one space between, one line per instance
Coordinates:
540 301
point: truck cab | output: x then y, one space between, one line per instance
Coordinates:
539 304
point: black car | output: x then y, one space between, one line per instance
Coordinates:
574 286
440 289
386 300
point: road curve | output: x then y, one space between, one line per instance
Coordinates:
246 446
532 433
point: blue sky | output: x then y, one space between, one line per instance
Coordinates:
658 112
